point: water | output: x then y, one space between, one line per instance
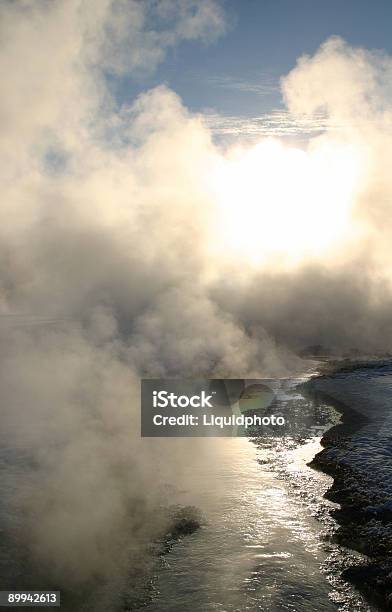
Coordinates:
261 547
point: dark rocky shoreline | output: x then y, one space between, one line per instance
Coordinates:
361 506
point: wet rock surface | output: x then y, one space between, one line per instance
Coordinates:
358 455
182 521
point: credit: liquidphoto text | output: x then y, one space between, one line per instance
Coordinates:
196 305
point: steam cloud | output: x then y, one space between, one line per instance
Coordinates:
106 274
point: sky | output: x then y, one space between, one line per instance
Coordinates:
238 74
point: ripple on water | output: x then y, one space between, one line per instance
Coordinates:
265 545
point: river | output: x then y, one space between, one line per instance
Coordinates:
264 544
265 539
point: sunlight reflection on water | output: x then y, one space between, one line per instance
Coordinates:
260 548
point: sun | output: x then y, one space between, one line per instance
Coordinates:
282 202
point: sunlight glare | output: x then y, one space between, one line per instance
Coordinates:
285 202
